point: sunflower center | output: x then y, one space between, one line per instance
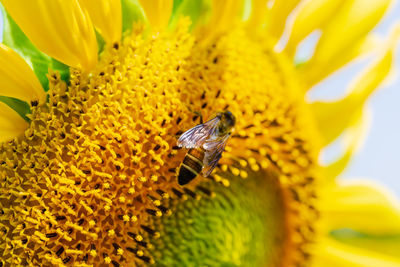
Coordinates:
241 225
97 167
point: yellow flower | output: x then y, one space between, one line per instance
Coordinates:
95 93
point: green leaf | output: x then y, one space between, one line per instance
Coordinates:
131 12
194 9
21 107
14 38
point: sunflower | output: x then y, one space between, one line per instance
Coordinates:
95 94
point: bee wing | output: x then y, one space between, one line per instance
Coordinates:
197 136
214 149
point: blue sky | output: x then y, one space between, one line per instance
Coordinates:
379 158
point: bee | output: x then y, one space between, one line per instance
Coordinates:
205 142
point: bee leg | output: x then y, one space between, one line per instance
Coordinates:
199 115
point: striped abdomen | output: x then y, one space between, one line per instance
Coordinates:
191 166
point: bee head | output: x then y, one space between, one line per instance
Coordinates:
229 119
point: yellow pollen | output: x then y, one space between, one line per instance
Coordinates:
142 179
243 174
111 232
217 178
131 190
225 182
235 171
243 163
93 253
255 167
252 161
224 167
140 253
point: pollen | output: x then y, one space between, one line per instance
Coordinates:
111 232
93 179
126 218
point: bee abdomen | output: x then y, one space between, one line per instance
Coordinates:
186 175
191 166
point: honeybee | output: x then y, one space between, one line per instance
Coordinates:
205 142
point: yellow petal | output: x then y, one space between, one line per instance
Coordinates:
278 15
106 16
350 25
354 139
157 12
17 79
11 124
224 14
386 244
327 113
258 13
310 15
332 253
361 206
359 49
59 28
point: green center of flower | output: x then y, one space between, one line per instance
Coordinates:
239 226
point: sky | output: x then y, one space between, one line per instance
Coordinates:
379 158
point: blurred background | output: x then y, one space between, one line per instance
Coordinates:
379 158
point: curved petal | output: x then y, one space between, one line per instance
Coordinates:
106 16
11 124
361 48
158 12
354 205
278 16
354 20
310 15
326 113
17 79
258 13
14 38
223 13
332 253
59 28
354 138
